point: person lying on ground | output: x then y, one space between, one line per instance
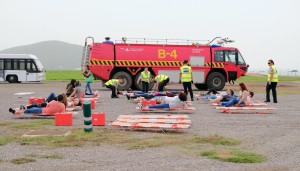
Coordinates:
151 95
211 94
51 108
244 97
224 97
171 102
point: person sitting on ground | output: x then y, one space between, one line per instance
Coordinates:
171 102
51 108
224 97
77 94
70 87
241 100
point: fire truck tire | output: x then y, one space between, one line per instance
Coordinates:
201 86
138 85
127 80
215 81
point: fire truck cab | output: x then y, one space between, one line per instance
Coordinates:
212 65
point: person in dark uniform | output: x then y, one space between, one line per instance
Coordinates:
186 77
272 82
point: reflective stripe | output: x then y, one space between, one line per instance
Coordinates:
275 75
88 126
87 118
112 82
145 76
186 74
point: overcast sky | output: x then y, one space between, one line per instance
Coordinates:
262 29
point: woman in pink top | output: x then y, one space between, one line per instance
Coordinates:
51 108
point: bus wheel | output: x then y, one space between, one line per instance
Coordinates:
12 78
215 81
127 80
201 86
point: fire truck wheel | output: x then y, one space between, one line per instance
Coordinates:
127 80
216 81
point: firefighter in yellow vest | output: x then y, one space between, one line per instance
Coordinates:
161 82
272 82
145 77
113 85
186 77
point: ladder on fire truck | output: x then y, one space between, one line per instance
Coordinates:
126 40
86 53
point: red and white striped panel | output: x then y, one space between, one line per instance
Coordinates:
245 108
150 125
182 117
164 121
164 109
254 104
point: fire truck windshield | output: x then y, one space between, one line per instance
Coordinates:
230 56
241 60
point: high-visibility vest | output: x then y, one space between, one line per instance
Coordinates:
275 75
161 78
112 82
186 73
145 76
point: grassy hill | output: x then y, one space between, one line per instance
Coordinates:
54 55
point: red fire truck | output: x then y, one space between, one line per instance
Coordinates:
212 65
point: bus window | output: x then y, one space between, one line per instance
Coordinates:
30 66
16 66
39 65
230 56
8 64
1 64
22 64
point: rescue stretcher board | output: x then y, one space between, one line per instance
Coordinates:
150 125
165 109
247 105
160 121
182 117
75 108
259 109
43 115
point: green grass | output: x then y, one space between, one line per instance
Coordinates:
63 75
1 160
33 124
216 140
53 156
22 160
235 156
6 139
66 75
192 144
263 78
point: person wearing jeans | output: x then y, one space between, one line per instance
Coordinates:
89 78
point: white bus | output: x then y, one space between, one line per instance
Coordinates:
16 68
